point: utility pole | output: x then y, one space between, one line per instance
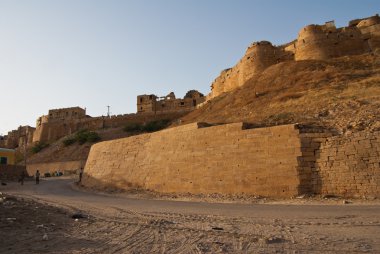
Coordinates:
25 144
108 111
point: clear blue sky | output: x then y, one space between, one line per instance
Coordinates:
91 53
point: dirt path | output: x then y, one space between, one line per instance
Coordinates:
120 224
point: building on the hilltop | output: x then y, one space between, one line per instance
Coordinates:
18 138
314 42
63 114
58 123
7 156
153 104
66 121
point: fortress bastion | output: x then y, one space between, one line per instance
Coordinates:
314 42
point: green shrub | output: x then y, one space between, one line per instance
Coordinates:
156 125
82 137
69 141
38 147
147 127
133 127
92 137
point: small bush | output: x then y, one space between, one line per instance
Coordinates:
148 127
156 125
38 147
69 141
92 137
82 137
133 127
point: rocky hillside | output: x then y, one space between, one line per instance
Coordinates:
57 151
341 93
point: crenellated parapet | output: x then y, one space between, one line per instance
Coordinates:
18 138
66 121
150 103
314 42
258 57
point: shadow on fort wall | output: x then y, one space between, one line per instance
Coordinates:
103 185
12 172
311 138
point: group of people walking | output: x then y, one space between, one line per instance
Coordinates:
38 174
23 175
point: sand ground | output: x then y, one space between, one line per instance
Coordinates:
38 219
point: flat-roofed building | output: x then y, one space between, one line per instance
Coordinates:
7 156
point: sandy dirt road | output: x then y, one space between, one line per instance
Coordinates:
121 224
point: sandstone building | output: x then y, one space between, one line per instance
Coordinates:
169 103
7 156
18 138
65 121
316 42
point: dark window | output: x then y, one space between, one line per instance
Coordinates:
141 99
194 103
140 108
3 160
182 103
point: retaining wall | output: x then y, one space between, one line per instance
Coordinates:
11 172
219 159
281 161
345 165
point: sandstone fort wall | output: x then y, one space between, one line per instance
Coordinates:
314 42
347 165
11 172
51 131
279 161
220 159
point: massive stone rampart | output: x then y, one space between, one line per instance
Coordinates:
47 132
343 165
224 159
279 161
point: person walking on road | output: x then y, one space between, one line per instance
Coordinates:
38 177
80 174
22 177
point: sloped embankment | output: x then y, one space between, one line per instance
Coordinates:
341 93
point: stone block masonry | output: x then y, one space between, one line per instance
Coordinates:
346 165
192 158
11 172
281 161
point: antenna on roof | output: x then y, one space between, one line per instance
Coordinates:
108 111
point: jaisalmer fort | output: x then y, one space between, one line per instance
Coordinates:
287 132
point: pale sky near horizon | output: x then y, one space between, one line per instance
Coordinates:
90 53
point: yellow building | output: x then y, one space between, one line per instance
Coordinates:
7 156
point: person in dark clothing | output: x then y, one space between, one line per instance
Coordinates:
22 177
38 177
80 174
